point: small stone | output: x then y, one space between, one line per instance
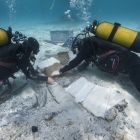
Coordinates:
111 114
121 105
50 116
34 129
64 82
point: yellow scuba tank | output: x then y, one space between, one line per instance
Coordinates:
117 34
4 39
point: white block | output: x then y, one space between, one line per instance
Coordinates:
48 62
80 89
101 99
84 92
94 98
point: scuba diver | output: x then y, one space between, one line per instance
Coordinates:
97 51
17 52
105 53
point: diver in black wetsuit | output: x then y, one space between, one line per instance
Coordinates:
20 56
106 56
89 48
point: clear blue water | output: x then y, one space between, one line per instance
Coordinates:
21 12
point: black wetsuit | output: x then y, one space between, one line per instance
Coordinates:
8 61
25 65
85 51
15 57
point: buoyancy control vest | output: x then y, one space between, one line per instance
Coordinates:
117 34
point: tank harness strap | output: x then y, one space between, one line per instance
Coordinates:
114 30
108 53
6 64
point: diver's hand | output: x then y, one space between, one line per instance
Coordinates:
50 81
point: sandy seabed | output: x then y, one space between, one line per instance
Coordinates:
59 117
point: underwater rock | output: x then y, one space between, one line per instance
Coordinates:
111 114
121 105
34 129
